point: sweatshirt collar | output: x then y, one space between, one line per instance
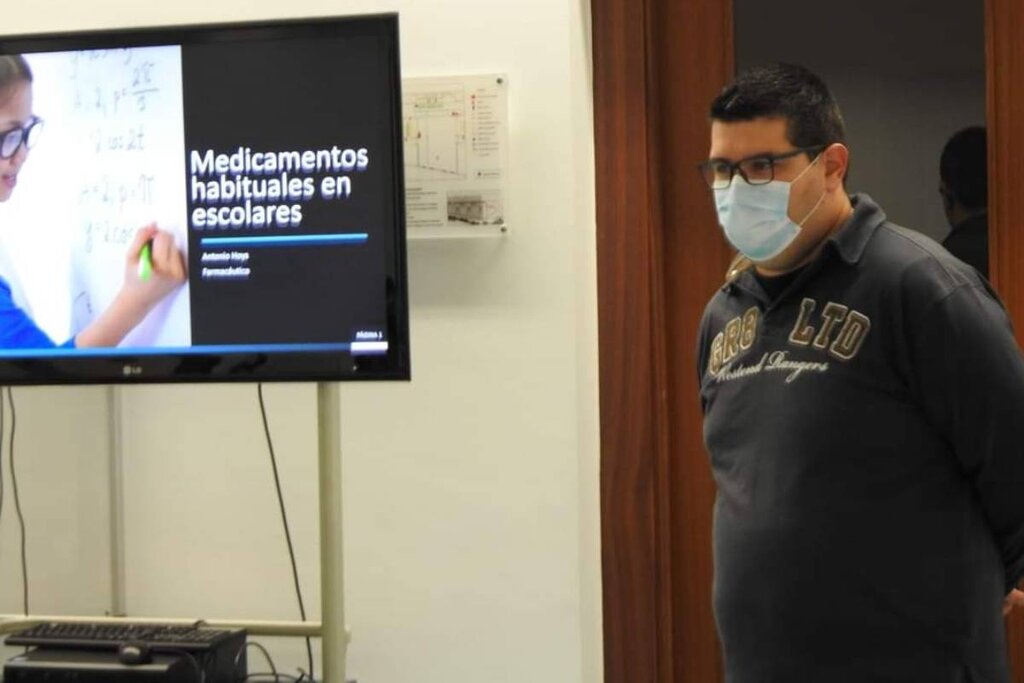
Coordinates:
852 239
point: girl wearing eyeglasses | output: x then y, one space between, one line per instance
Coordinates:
142 289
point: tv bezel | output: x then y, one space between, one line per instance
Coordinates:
152 365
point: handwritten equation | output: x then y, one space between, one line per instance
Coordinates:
130 86
118 102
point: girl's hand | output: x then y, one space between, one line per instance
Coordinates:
166 271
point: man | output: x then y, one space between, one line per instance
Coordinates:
864 416
963 184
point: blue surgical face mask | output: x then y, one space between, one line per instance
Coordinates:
755 218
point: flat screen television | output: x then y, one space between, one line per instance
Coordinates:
203 203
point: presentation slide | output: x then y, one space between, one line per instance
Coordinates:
206 196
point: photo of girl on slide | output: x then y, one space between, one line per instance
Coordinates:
154 266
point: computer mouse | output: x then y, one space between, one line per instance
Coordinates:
134 653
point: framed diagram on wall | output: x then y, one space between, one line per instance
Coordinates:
455 136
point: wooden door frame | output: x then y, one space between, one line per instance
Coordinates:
657 65
660 257
1004 71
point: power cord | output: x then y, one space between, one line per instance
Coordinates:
284 519
266 655
17 501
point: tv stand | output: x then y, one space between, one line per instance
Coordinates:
331 628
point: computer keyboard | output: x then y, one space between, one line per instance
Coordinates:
110 636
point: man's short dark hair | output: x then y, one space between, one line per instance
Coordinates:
784 91
963 168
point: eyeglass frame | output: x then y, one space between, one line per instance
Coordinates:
704 167
25 131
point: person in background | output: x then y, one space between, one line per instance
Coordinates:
963 184
19 128
863 402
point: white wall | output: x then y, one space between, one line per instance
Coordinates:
471 494
907 75
61 453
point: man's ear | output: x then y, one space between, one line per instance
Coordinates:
837 159
947 199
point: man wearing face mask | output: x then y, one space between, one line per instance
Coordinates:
863 401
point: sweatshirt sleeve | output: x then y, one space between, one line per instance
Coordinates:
17 330
969 376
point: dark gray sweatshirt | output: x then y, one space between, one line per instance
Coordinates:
866 434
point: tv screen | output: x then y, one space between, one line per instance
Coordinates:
203 203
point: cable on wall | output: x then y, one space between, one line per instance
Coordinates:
284 520
17 501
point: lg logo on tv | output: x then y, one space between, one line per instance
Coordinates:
131 370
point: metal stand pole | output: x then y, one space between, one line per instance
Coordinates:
332 570
116 480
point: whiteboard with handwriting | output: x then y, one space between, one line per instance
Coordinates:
110 160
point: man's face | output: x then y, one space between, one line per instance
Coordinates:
733 141
15 112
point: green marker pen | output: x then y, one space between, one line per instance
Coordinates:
146 261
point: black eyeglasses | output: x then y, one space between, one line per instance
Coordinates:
756 170
12 140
